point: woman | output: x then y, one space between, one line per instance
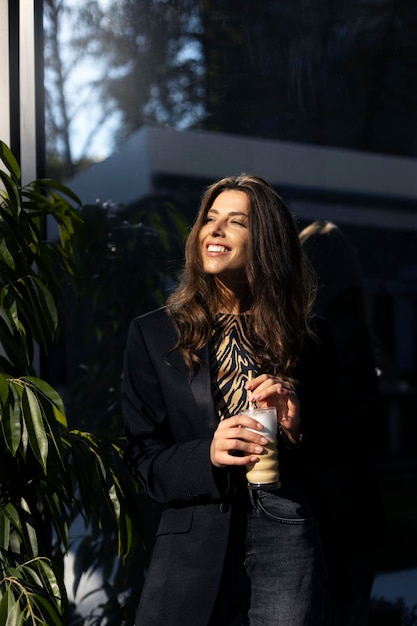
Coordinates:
225 555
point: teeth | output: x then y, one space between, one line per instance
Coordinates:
216 249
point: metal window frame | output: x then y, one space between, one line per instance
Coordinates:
21 84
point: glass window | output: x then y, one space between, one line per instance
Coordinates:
147 101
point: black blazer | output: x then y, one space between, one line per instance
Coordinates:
170 421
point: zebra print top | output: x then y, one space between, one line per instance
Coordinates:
231 360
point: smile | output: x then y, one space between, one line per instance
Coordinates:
213 248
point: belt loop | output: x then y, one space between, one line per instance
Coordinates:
253 497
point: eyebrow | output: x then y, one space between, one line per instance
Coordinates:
233 213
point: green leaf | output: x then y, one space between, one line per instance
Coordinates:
4 531
13 516
54 616
15 615
15 410
25 438
14 572
11 427
18 349
11 197
11 416
44 568
54 184
46 303
6 603
4 389
38 439
8 304
8 158
5 255
49 393
40 310
29 528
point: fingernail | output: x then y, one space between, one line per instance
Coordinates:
264 440
259 449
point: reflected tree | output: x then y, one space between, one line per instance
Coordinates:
56 104
153 60
334 73
119 65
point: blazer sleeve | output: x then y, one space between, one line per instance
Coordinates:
171 463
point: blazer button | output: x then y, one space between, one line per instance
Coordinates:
224 507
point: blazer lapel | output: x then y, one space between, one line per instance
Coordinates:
201 388
200 384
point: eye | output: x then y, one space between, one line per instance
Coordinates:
239 223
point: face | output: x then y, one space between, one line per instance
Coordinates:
224 238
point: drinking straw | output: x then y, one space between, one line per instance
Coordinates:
252 405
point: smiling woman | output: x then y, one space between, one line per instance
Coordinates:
224 240
276 83
237 330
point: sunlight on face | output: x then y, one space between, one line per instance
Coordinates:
224 237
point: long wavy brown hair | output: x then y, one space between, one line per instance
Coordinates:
280 280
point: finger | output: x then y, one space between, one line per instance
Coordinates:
240 453
225 459
247 434
234 452
255 382
271 387
242 439
267 378
286 388
234 446
239 420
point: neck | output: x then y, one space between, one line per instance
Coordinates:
234 302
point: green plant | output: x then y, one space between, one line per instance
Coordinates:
127 258
48 473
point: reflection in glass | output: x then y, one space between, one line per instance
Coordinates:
337 74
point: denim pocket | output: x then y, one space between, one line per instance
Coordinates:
284 507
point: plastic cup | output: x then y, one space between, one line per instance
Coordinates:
265 473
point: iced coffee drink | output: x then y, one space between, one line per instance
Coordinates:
265 474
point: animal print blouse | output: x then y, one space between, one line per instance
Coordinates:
231 360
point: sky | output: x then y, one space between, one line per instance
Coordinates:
90 135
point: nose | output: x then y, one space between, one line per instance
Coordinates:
216 229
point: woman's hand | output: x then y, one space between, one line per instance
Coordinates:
234 444
269 390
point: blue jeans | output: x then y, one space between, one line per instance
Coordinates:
275 572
